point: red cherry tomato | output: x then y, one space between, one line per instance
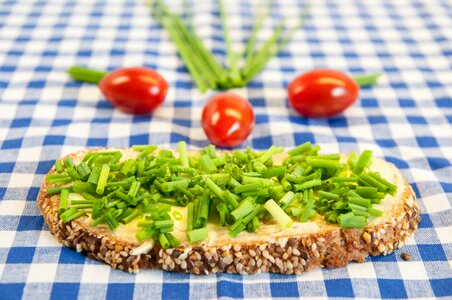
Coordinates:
134 90
322 93
227 119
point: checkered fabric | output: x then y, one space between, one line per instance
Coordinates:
405 119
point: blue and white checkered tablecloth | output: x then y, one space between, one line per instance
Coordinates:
406 119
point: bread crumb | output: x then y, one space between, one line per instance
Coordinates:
405 256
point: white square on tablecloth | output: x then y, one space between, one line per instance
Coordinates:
42 272
20 180
444 234
361 270
46 239
436 203
7 238
414 270
95 273
32 154
12 207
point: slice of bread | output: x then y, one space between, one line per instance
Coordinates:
303 247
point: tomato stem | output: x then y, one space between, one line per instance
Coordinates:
86 75
367 79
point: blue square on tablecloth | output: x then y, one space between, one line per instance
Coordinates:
426 141
438 163
65 290
426 221
401 164
377 120
175 290
140 139
339 288
447 187
227 288
12 144
32 194
442 287
262 142
20 255
416 120
97 142
11 290
443 102
284 289
338 122
175 137
407 103
303 137
70 256
120 291
60 122
22 122
387 143
392 288
7 167
44 166
434 252
30 223
36 84
54 140
346 139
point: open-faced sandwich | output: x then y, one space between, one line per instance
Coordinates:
227 211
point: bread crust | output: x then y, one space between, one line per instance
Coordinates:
332 247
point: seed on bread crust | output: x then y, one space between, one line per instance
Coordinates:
330 248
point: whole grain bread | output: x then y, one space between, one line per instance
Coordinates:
281 252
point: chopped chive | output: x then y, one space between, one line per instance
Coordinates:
183 154
370 181
174 185
163 224
135 213
197 235
287 199
58 166
94 176
68 162
146 151
309 199
103 177
323 163
280 216
128 166
351 221
367 79
190 216
63 200
328 195
245 207
81 187
274 172
174 242
144 234
133 189
308 184
83 170
239 228
207 164
251 187
374 212
301 149
344 179
164 241
364 161
53 191
269 153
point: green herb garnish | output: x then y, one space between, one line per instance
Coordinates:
239 190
